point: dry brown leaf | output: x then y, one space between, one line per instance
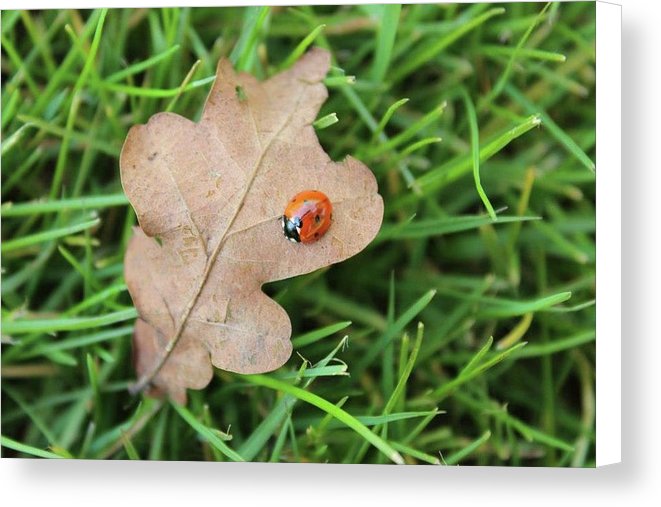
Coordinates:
209 197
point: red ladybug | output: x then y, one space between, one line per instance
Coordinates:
307 216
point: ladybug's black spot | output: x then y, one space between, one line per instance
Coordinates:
316 234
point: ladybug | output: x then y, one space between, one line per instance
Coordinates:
307 216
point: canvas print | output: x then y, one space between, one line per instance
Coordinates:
359 234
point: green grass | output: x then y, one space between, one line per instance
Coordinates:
479 123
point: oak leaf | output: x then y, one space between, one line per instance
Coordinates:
209 197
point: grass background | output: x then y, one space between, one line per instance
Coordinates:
470 319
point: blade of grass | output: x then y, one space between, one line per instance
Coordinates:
477 358
516 333
325 121
414 453
555 346
376 421
300 48
141 66
385 40
73 109
528 432
156 93
398 392
449 387
256 441
442 226
318 334
386 118
407 134
72 324
112 441
447 173
428 51
329 408
182 87
390 333
206 433
388 358
78 342
27 449
560 135
85 139
99 297
475 151
92 202
537 54
458 456
369 120
42 237
504 77
243 53
20 172
15 139
33 414
130 449
324 371
56 81
419 145
503 307
21 68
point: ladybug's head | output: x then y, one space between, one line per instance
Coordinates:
292 228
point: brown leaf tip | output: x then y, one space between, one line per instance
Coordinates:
313 65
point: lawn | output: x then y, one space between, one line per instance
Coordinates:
463 334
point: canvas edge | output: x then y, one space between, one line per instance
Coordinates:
608 240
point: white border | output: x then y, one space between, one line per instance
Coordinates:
30 482
609 168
